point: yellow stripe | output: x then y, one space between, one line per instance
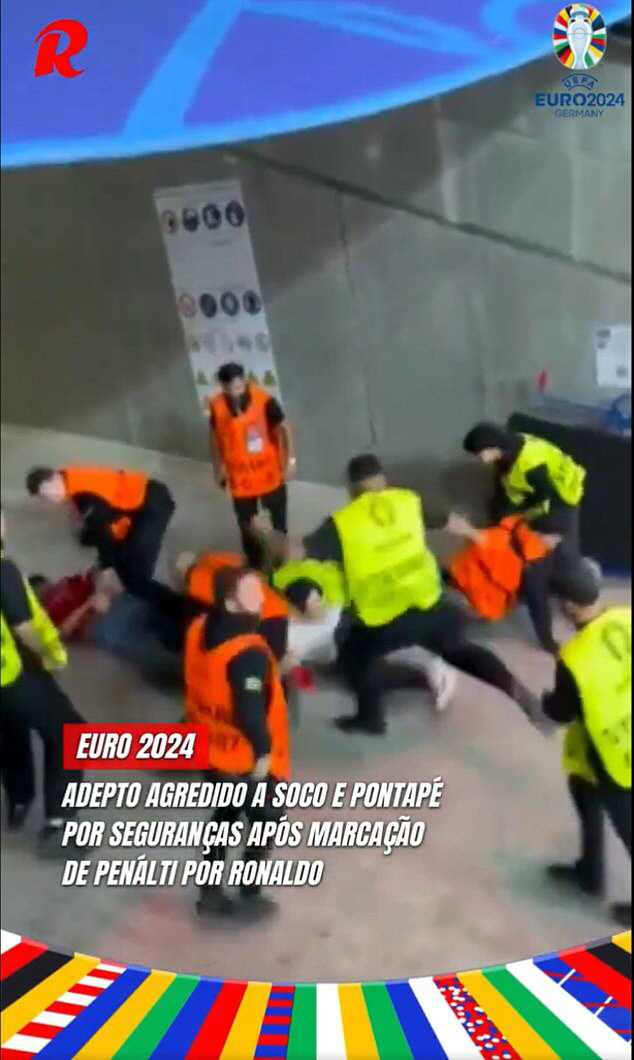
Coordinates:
109 1038
22 1011
624 940
516 1030
357 1029
245 1029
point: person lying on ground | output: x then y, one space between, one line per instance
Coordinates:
93 608
502 566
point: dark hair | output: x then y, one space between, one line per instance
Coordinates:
363 467
580 587
297 592
487 436
226 582
228 372
35 478
37 580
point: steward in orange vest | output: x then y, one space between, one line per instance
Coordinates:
233 688
501 566
275 613
123 514
251 450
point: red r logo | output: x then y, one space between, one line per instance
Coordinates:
49 59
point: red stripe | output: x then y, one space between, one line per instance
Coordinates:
14 1054
20 955
601 975
209 1042
281 1020
65 1008
40 1030
273 1039
106 976
278 1002
282 989
83 988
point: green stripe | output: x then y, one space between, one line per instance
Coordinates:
386 1028
555 1033
302 1040
159 1019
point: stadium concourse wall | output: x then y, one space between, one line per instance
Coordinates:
419 269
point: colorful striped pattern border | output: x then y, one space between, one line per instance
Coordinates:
575 1005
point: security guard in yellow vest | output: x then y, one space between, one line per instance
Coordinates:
593 698
31 699
395 589
328 577
535 477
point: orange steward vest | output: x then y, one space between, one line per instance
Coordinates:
489 572
249 453
200 583
209 702
123 490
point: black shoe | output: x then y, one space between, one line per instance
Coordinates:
622 913
256 906
572 876
353 723
214 903
49 842
17 815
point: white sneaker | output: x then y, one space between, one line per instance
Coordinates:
443 680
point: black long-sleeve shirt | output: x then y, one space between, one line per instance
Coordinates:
563 706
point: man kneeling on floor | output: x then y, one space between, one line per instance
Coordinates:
233 687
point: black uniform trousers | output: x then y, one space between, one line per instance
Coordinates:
440 630
35 701
248 814
276 504
591 801
136 557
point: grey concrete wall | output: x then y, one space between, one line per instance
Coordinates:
419 269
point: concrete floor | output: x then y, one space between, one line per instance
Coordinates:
474 893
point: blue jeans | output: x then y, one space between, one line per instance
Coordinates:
130 629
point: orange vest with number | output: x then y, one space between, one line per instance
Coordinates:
209 702
123 490
249 453
489 572
200 583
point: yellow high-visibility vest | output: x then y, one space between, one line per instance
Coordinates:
387 565
54 653
566 476
328 576
599 658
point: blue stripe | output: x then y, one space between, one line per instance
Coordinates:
180 1035
270 1050
416 1027
165 100
70 1040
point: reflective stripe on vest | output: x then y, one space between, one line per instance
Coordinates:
387 565
599 658
248 452
328 576
566 476
200 583
209 702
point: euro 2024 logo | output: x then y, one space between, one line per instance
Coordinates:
579 41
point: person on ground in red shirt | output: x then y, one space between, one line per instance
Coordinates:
93 608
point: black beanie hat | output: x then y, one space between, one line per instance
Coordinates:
487 436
